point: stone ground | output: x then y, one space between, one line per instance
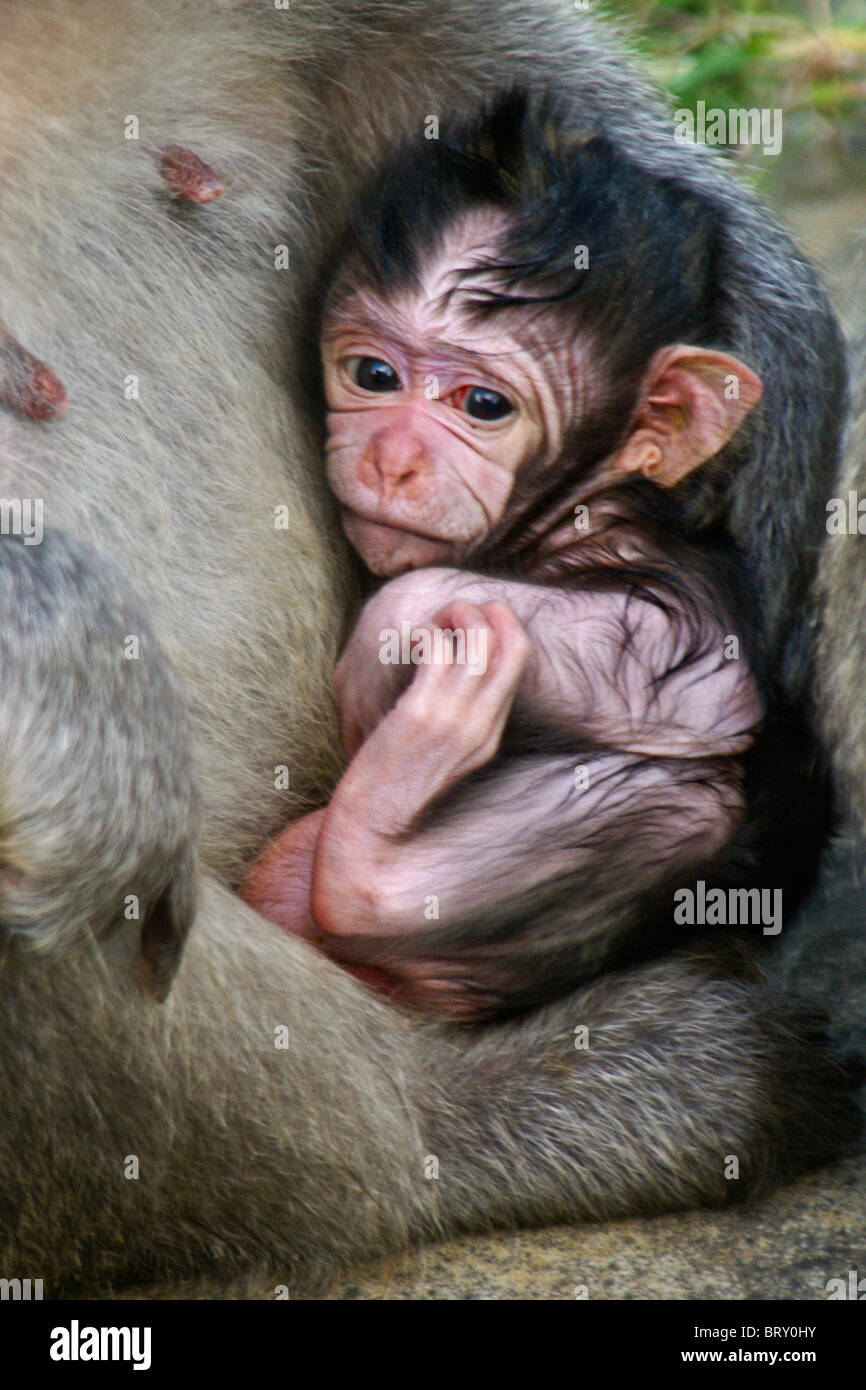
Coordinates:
790 1244
785 1247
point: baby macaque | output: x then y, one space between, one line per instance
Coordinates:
523 366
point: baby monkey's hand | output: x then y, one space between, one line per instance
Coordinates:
375 666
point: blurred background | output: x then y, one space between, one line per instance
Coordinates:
807 57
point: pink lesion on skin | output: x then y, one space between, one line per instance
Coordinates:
28 385
187 176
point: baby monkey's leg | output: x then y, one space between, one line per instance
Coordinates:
279 883
326 871
539 873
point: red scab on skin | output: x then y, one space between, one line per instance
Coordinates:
188 177
27 385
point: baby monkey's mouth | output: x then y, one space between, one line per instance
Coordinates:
349 513
388 549
354 518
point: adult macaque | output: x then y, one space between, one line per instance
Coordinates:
295 1159
542 462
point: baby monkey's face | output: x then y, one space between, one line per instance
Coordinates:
433 411
430 416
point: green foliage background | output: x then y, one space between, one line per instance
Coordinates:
806 56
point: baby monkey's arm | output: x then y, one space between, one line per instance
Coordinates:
607 666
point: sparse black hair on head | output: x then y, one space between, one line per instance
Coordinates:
562 186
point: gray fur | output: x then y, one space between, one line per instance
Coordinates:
92 740
303 1158
296 1161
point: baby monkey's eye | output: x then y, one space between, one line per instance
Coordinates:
372 374
483 404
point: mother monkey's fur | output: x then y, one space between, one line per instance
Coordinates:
301 1158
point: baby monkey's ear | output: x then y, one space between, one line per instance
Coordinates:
691 403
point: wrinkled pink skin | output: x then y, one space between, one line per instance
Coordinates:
421 485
